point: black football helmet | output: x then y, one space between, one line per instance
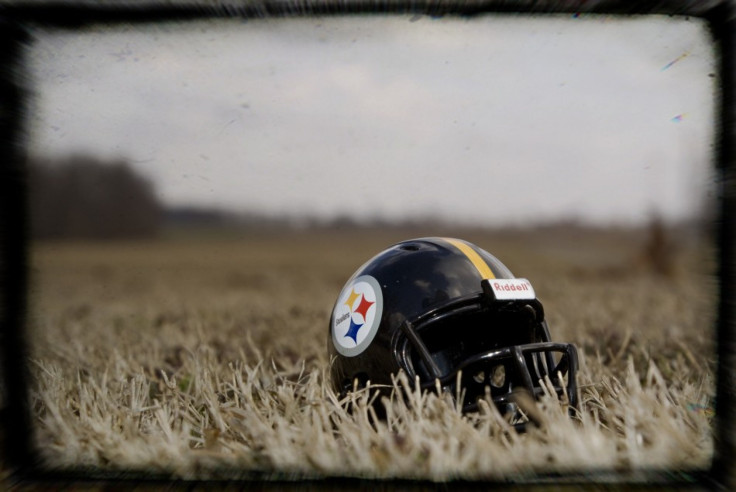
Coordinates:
439 307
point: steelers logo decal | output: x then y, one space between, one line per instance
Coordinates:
357 315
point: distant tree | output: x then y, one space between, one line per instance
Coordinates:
83 197
659 252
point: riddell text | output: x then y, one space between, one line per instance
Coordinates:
521 286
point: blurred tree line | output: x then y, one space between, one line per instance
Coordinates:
80 196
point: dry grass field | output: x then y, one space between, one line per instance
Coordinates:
198 358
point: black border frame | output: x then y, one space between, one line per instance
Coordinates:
20 463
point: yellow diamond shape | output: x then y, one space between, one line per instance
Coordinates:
351 299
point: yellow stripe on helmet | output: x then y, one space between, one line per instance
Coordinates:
480 265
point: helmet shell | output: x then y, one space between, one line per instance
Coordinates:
450 314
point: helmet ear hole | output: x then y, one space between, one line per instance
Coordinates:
497 376
479 377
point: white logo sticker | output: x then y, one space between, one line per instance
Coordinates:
507 289
357 315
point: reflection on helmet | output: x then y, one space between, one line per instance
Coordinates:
447 312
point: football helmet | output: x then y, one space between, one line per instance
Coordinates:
449 313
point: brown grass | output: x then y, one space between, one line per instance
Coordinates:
197 358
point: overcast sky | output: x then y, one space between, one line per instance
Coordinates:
493 119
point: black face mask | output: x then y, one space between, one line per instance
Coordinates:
489 348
